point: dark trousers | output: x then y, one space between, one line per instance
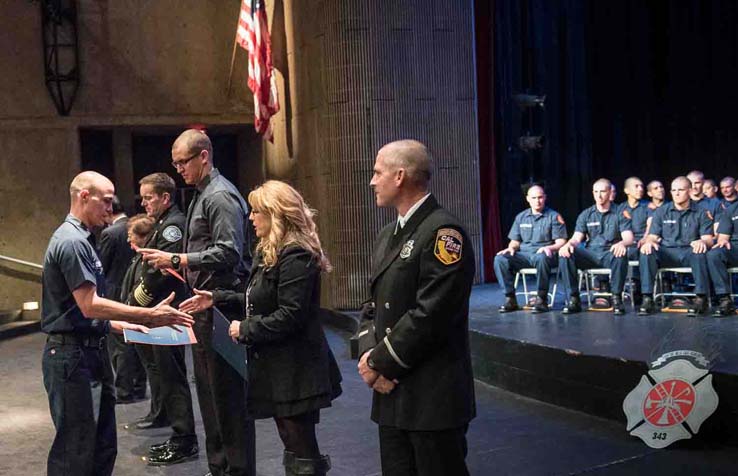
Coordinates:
229 433
171 390
719 260
423 453
157 412
506 266
130 375
586 258
79 384
674 257
298 434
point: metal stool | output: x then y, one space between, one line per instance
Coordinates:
523 272
629 283
658 288
731 272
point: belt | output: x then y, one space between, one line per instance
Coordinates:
96 342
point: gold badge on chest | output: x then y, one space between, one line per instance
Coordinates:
407 248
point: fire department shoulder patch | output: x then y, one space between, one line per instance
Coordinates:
449 243
560 219
672 401
626 214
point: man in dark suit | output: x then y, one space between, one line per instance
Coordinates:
414 337
115 255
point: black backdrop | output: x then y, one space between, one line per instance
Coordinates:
633 87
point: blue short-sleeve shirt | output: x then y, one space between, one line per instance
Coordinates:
638 217
603 229
678 228
534 230
70 261
729 222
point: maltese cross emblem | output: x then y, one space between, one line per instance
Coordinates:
670 403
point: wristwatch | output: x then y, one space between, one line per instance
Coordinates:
370 362
175 261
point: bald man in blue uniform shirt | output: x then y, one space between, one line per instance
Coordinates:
535 238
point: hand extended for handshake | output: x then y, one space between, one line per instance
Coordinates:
373 379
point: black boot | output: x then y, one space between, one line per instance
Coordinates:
574 306
540 304
618 307
647 306
511 304
294 466
726 307
697 306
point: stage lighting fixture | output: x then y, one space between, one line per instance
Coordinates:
525 101
531 143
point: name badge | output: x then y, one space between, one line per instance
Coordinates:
593 223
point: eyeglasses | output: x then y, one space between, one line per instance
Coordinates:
179 164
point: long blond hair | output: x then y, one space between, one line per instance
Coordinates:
291 222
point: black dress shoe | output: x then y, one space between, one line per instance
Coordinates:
647 306
159 447
574 306
174 454
618 307
540 304
697 306
150 425
511 304
726 307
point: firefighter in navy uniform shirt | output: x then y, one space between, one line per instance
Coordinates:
722 256
76 317
607 233
535 237
414 341
680 235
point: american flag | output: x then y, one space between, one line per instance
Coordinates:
252 35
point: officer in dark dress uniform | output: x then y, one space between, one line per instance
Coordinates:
535 237
77 374
680 235
166 364
414 336
217 255
608 234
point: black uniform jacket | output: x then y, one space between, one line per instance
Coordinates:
417 322
288 354
115 254
153 284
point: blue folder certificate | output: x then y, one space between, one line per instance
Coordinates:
164 335
232 352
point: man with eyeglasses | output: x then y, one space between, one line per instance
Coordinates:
217 255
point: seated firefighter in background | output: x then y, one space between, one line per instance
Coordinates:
535 237
723 256
680 235
606 233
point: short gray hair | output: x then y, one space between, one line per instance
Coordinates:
411 155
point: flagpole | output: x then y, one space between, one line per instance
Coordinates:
233 53
233 61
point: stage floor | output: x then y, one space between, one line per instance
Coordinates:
631 337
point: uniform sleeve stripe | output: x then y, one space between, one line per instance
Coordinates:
394 355
364 332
